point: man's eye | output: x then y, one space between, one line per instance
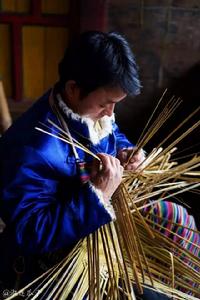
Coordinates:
102 105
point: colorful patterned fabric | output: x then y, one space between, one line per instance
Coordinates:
177 224
173 221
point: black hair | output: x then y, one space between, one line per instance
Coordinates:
100 59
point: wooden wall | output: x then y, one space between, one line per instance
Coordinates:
43 47
33 36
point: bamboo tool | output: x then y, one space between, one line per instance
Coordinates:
132 249
5 117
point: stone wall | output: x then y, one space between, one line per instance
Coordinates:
165 36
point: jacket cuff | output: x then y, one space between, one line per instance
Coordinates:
106 204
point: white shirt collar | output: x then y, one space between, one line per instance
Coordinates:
97 130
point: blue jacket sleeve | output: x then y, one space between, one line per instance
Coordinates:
45 215
121 139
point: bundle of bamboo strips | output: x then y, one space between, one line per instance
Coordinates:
131 251
100 266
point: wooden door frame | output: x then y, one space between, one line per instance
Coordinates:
16 21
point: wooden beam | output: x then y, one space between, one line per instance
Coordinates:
35 20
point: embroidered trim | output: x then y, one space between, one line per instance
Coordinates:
96 133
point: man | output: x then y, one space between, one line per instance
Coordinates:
43 202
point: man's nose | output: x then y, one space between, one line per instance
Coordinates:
110 109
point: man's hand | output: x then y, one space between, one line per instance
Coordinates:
135 161
107 175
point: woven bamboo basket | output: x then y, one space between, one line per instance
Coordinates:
131 252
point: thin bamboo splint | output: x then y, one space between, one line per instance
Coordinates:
131 252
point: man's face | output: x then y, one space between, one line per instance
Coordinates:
99 103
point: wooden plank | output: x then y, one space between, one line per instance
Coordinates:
43 48
56 40
33 62
5 58
55 7
52 20
22 6
8 5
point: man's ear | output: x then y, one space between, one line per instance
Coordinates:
72 90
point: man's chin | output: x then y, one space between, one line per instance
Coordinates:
94 119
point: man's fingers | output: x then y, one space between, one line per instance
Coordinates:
131 167
105 160
121 170
123 155
110 175
94 168
108 161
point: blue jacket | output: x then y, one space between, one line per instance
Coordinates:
42 202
